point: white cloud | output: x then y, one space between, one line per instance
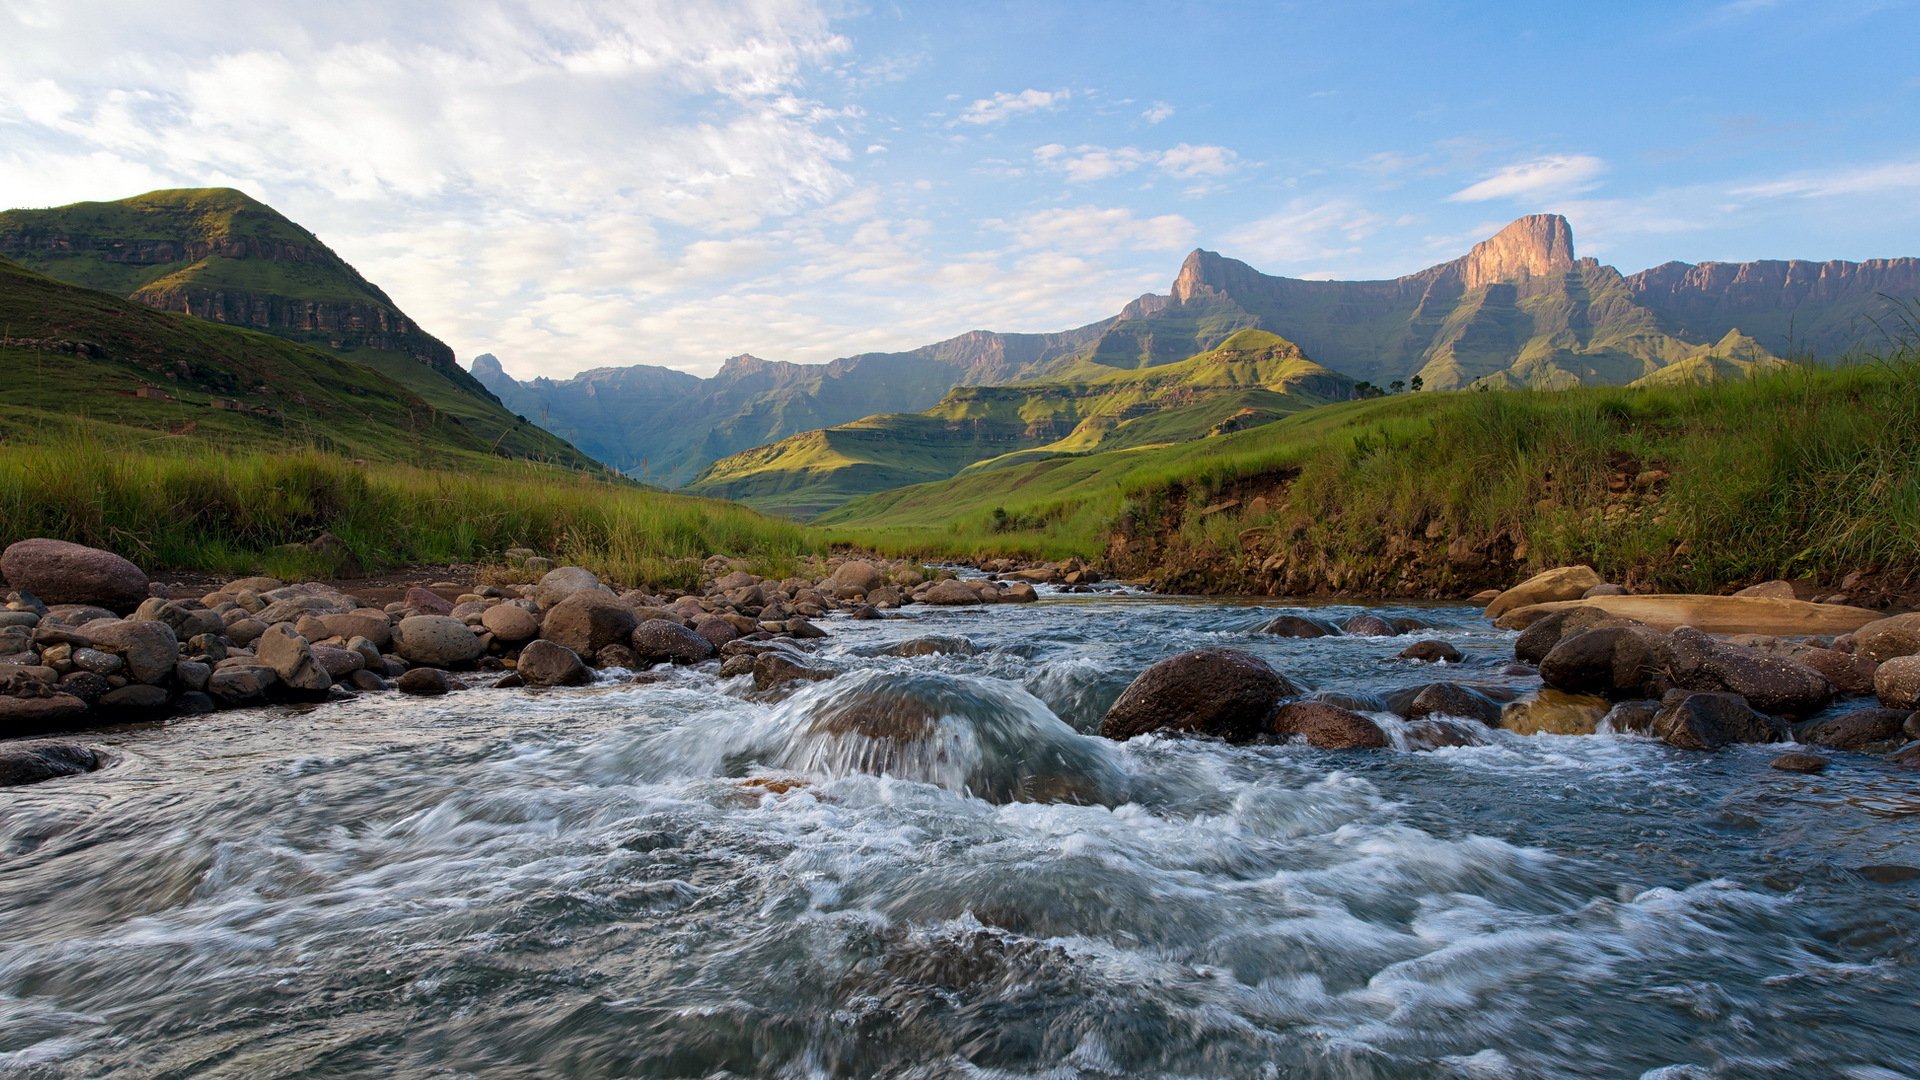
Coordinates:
1086 163
1088 230
1188 162
1554 175
1157 112
1004 106
1859 180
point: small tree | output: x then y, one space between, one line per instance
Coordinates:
1418 384
1396 386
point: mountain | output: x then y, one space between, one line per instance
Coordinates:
1252 378
1791 307
72 353
666 426
224 257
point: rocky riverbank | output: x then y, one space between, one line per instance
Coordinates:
87 639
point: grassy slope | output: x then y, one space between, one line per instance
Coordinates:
1253 377
1795 472
217 214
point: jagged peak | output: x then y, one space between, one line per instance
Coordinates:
1204 272
1538 245
488 365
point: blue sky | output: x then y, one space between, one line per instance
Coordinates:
582 185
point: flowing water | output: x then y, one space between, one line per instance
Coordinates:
928 868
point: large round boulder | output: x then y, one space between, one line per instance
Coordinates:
1708 721
1861 729
1220 692
1539 638
1554 712
436 640
510 622
1327 726
1564 583
149 648
62 573
952 593
1769 683
1882 640
1619 661
543 663
1897 683
1299 626
563 582
857 574
660 641
587 621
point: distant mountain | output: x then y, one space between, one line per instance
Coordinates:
224 257
1252 378
666 426
76 354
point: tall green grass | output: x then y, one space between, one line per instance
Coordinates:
1806 472
197 509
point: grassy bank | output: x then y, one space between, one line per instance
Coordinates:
1804 472
195 508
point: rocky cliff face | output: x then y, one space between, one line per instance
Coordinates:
1794 307
1536 246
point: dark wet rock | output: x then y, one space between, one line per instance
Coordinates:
1435 732
1768 683
57 572
864 612
1445 699
1897 683
1328 727
1299 626
659 641
1370 626
803 630
1407 624
1711 720
715 629
1220 692
335 661
1888 638
241 684
1431 652
1617 661
32 763
1861 729
587 621
1554 712
1631 717
424 682
1541 635
1908 755
1889 873
134 698
89 687
1351 700
1850 675
616 656
543 663
95 662
194 703
1795 761
736 666
366 682
775 669
931 645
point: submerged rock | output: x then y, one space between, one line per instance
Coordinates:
1328 727
1225 693
1370 626
1795 761
31 763
1554 712
1861 729
1299 626
1431 652
1709 721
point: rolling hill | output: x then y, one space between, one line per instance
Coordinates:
223 257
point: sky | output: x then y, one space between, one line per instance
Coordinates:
571 185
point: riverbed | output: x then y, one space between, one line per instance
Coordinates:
673 880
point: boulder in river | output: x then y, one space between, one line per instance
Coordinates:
1768 683
436 640
1861 729
1618 661
25 715
1537 640
1799 762
62 573
1897 683
31 763
1709 721
1445 699
1220 692
660 641
953 593
1299 626
1554 712
588 620
1365 625
1431 652
1885 639
543 663
1326 726
424 681
1562 583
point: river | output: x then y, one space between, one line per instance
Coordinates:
669 880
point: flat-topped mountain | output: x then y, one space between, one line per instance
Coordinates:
224 257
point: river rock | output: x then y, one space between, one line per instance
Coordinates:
134 698
718 631
775 669
587 621
1861 729
336 661
1369 626
362 623
566 581
84 685
1431 652
241 684
1445 699
511 623
1712 614
857 574
186 622
658 641
1897 683
931 645
31 763
424 681
291 659
1554 712
1299 626
149 648
21 715
1796 761
62 573
244 632
1326 726
192 675
1617 661
951 593
1850 675
427 602
437 640
1885 639
1564 583
1220 692
96 661
1436 732
1708 721
1631 717
1020 593
1768 683
543 663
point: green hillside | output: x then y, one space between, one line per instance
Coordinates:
1687 485
1252 378
78 357
224 257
